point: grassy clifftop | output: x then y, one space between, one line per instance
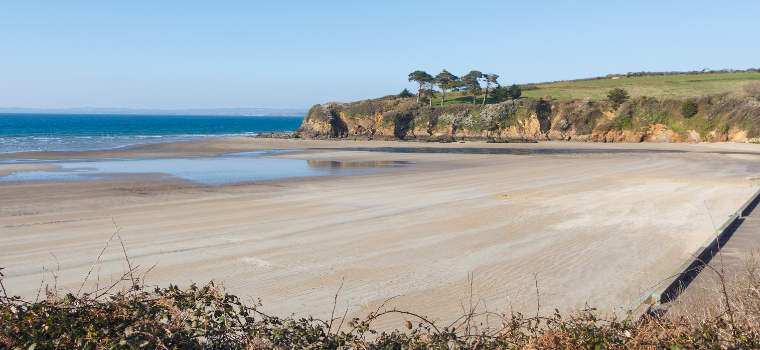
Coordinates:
667 86
659 86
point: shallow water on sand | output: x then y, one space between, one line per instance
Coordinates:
211 170
511 151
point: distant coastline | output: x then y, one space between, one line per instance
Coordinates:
246 112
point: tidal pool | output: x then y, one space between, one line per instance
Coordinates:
211 170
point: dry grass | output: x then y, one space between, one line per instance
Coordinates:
736 294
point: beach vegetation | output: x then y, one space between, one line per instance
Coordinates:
130 315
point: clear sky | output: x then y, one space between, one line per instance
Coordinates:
294 54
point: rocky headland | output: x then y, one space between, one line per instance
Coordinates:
718 118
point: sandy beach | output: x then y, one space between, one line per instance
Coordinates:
597 228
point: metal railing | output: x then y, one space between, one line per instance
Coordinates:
717 224
652 293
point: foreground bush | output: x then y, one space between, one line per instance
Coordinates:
207 318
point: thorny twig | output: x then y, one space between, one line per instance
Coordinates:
1 282
97 260
721 275
335 305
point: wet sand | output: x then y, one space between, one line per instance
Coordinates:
597 228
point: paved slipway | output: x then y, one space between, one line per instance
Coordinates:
595 229
738 246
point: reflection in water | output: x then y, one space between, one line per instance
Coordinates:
513 151
213 170
333 164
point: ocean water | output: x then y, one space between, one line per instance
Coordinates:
75 132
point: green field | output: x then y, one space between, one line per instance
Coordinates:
658 79
675 86
456 97
658 86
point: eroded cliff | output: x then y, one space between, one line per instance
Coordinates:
720 117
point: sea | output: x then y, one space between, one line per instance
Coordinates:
78 132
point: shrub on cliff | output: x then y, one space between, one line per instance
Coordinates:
618 96
688 108
427 116
322 113
623 122
408 106
499 94
744 113
405 93
399 120
458 115
561 125
584 116
365 108
502 93
514 92
458 119
496 115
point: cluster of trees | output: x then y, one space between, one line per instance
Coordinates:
470 83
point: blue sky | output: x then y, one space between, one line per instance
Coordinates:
293 54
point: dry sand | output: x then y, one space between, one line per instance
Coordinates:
597 229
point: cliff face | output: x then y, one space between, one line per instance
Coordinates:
721 117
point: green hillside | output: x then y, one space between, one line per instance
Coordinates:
667 86
675 86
